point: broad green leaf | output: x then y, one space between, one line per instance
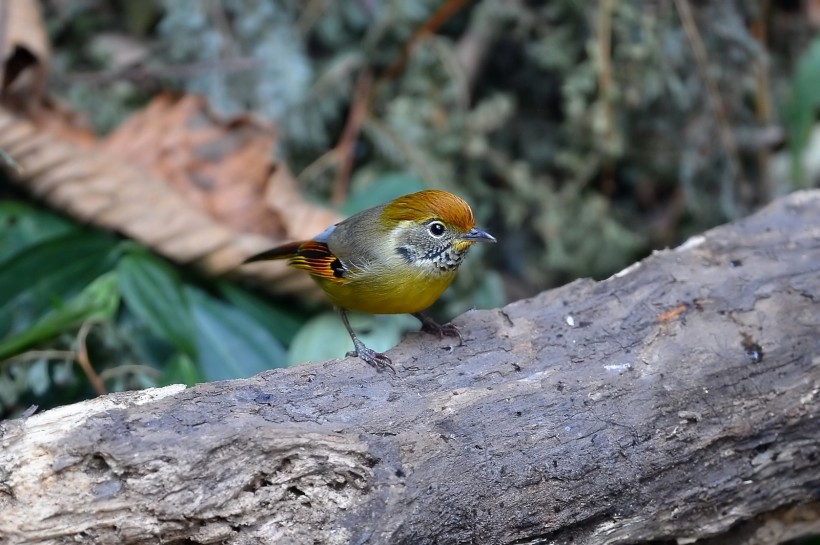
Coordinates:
230 344
147 347
22 226
98 301
484 291
181 370
40 277
803 106
153 291
57 267
282 324
325 336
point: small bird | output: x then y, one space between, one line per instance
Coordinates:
397 258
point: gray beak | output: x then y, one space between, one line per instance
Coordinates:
477 235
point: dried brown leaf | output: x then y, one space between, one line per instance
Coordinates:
25 58
225 168
195 188
24 50
100 188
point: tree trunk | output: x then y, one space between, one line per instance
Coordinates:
677 400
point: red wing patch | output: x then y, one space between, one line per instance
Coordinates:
317 259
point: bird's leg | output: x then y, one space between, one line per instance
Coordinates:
370 356
429 325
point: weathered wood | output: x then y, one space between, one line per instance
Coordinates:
677 400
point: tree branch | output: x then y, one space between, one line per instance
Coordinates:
677 400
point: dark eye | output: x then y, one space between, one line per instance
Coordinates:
436 229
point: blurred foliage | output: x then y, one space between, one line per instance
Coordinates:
8 160
583 134
80 308
325 337
803 108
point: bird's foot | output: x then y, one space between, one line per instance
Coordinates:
429 325
375 359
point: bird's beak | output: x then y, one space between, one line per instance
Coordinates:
477 235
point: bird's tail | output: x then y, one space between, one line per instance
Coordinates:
286 251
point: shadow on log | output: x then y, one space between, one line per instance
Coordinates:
676 401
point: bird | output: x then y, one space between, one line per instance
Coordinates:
395 258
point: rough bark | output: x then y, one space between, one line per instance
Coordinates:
677 400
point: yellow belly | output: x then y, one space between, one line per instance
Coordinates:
387 294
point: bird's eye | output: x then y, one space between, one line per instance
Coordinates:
436 229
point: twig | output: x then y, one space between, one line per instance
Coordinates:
763 100
436 21
325 162
605 87
343 153
85 362
346 147
715 101
484 27
34 355
605 60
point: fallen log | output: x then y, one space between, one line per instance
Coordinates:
676 401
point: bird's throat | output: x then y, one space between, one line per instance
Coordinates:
444 259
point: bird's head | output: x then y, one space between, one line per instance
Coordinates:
432 229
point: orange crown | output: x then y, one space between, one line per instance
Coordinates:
432 203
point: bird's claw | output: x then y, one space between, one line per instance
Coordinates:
440 331
375 359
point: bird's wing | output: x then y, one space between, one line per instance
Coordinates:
312 256
317 259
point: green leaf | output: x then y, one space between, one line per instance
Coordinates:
229 343
147 347
181 370
803 106
325 337
55 267
153 291
22 226
281 323
99 300
40 277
